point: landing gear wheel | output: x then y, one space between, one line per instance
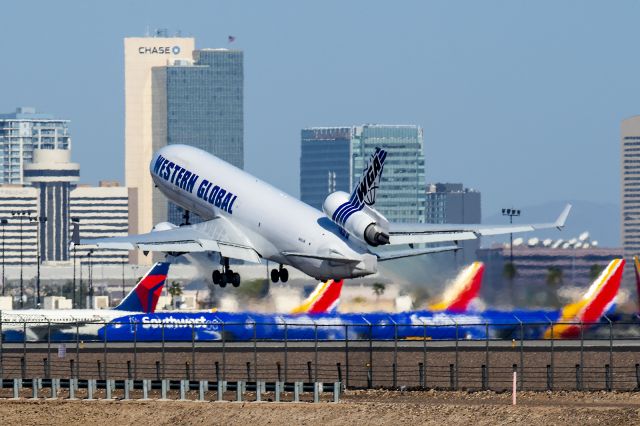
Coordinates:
275 275
216 276
284 275
223 280
236 279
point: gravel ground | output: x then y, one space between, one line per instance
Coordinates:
357 407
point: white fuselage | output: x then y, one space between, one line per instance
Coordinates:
273 222
41 322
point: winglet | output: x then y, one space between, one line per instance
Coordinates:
593 304
462 291
563 217
144 296
323 299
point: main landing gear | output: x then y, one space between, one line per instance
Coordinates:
280 274
226 276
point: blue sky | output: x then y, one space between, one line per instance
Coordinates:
519 99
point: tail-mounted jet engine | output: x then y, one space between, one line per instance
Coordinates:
360 221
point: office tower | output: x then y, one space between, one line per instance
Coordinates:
199 102
102 211
141 54
23 131
327 152
325 163
630 144
453 203
53 174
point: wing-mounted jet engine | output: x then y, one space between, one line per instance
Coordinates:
355 214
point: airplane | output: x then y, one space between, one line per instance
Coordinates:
568 322
39 324
248 219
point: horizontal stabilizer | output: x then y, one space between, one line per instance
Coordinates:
399 254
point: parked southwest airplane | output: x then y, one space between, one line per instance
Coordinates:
248 219
246 326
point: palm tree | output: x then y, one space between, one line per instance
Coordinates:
174 290
554 280
509 272
595 270
378 289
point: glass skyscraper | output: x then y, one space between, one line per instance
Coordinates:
327 153
199 103
325 163
23 131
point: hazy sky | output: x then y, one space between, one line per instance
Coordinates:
519 99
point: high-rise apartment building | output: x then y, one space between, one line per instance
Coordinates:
199 102
333 158
23 131
141 54
630 145
453 203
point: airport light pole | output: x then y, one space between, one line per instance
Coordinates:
3 222
21 215
40 221
511 213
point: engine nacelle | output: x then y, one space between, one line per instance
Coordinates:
365 224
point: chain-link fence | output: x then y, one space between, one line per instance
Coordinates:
602 356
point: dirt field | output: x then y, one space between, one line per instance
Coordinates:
357 407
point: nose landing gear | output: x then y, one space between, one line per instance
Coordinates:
280 274
226 276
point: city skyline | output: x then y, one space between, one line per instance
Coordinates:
500 91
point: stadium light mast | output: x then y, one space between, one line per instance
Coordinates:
511 213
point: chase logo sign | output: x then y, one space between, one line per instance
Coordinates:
158 50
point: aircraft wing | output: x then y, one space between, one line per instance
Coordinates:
217 235
409 233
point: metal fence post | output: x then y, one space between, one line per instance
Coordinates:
424 352
607 377
48 344
163 357
286 351
193 351
135 350
395 354
521 354
315 371
106 374
457 355
610 348
77 349
255 352
346 354
578 377
224 354
485 381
